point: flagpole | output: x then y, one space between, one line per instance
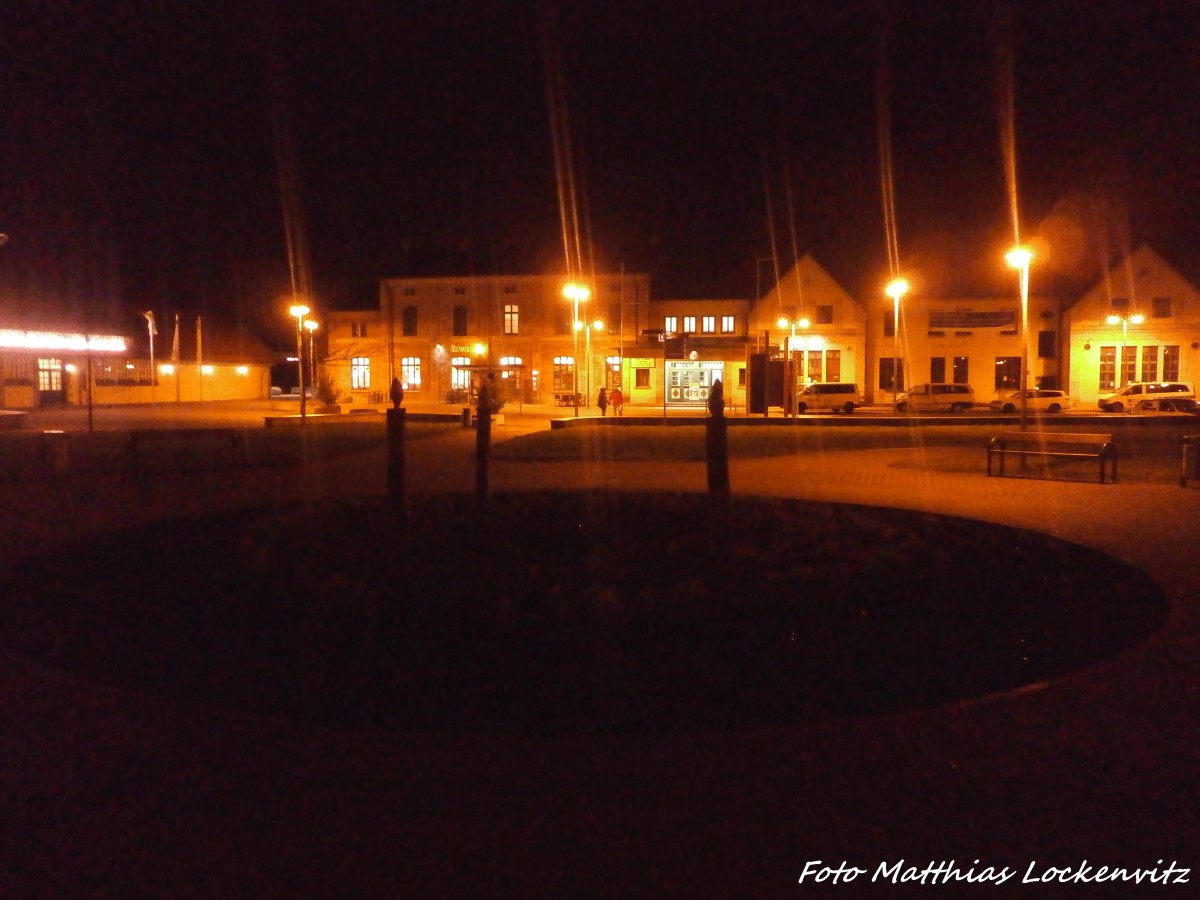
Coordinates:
151 330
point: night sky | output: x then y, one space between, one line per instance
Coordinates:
140 143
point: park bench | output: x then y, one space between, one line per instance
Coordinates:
184 448
1048 444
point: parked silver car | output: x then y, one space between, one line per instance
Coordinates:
1038 401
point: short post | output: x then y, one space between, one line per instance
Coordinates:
397 494
716 452
483 440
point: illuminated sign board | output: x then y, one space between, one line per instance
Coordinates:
965 318
14 339
689 380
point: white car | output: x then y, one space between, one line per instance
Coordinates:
1039 401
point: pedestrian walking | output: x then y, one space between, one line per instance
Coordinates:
397 393
617 399
602 401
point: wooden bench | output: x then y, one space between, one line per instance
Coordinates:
1053 444
160 448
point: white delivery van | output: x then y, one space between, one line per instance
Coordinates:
837 396
1132 395
936 397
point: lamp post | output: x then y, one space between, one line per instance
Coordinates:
299 311
598 325
785 322
1019 258
311 326
896 289
151 331
576 293
1136 319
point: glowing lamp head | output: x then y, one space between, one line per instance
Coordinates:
479 349
311 324
1137 318
804 323
577 292
1113 320
299 310
1019 257
598 325
897 288
783 322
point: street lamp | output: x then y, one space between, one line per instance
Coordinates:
311 326
598 325
785 322
299 311
1019 258
576 293
1136 319
896 289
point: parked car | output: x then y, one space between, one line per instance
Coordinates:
1168 405
936 397
837 396
1130 396
1039 400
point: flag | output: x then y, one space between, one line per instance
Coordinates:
149 314
175 342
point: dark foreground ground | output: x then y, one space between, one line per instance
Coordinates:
133 789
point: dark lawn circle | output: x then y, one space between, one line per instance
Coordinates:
596 612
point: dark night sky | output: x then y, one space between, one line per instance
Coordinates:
138 164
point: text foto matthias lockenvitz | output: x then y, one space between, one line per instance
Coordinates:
951 872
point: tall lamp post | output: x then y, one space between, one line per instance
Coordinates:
896 289
1019 258
311 326
598 325
299 311
785 322
1136 319
576 293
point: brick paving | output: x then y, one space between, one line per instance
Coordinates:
113 793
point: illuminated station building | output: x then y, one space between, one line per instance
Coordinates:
541 338
49 365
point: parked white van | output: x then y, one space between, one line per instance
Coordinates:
1132 395
936 397
837 396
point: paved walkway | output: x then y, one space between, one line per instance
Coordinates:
109 792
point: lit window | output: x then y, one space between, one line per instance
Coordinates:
689 324
1170 370
460 376
1149 363
410 372
708 324
1108 368
670 323
511 318
564 373
360 372
509 361
727 325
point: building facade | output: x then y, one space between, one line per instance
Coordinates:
436 334
1141 322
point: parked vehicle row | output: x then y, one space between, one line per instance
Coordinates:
956 398
1139 394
